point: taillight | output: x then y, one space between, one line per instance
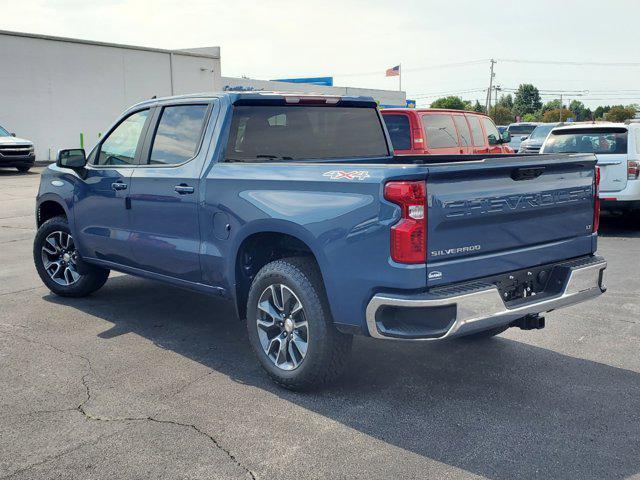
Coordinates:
596 202
633 169
409 235
418 139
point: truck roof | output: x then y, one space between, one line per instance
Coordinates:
290 97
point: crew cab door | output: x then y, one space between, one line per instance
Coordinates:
164 192
100 209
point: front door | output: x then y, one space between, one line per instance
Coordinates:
165 190
100 211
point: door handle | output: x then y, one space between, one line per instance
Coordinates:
119 186
183 189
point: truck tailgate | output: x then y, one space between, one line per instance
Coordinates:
503 214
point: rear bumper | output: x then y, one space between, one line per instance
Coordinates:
458 310
625 205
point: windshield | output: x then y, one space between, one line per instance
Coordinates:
541 132
4 133
276 133
516 130
600 140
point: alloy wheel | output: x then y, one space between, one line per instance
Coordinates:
282 327
59 258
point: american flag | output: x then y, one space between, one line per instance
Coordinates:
393 72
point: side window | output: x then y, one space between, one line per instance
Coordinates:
490 128
178 134
476 131
440 130
399 131
463 130
119 148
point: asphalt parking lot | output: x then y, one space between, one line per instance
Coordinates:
142 380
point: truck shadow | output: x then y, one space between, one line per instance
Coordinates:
498 408
619 226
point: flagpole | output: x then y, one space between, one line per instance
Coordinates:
400 77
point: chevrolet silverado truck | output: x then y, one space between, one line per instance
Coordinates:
295 209
15 152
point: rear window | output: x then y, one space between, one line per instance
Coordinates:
399 131
267 132
541 132
440 131
599 140
515 130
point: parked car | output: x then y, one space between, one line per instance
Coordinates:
519 132
295 209
534 141
617 148
433 131
15 152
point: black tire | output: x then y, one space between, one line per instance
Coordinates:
23 169
90 278
327 349
486 333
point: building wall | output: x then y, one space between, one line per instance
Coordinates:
52 90
383 97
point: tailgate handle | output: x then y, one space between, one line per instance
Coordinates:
610 162
525 173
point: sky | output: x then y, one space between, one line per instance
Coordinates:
444 46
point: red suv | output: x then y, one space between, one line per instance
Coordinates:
446 132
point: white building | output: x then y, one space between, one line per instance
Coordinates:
64 93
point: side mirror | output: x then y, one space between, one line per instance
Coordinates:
13 134
524 137
492 139
506 136
71 158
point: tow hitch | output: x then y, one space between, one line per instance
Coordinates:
530 322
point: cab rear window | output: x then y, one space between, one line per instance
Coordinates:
286 133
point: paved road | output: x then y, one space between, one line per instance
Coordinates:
142 380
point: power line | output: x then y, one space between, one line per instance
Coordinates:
569 63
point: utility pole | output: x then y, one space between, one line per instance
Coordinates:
561 108
492 75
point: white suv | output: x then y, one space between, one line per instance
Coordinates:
617 148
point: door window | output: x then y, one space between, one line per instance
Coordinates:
463 130
399 131
440 131
490 128
119 148
178 134
476 131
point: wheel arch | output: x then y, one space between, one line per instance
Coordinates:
49 206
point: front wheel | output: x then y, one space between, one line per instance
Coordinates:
23 169
59 265
290 326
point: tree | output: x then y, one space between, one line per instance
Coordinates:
600 112
527 100
479 108
453 103
501 115
551 105
532 117
556 115
618 113
580 112
506 101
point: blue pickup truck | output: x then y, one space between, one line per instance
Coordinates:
295 209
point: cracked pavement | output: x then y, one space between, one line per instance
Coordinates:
142 380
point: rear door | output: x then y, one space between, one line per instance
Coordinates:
164 192
478 137
464 133
609 144
440 133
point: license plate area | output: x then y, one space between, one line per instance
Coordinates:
523 284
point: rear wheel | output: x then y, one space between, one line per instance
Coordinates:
290 326
58 262
23 169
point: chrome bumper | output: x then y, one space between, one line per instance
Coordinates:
483 308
